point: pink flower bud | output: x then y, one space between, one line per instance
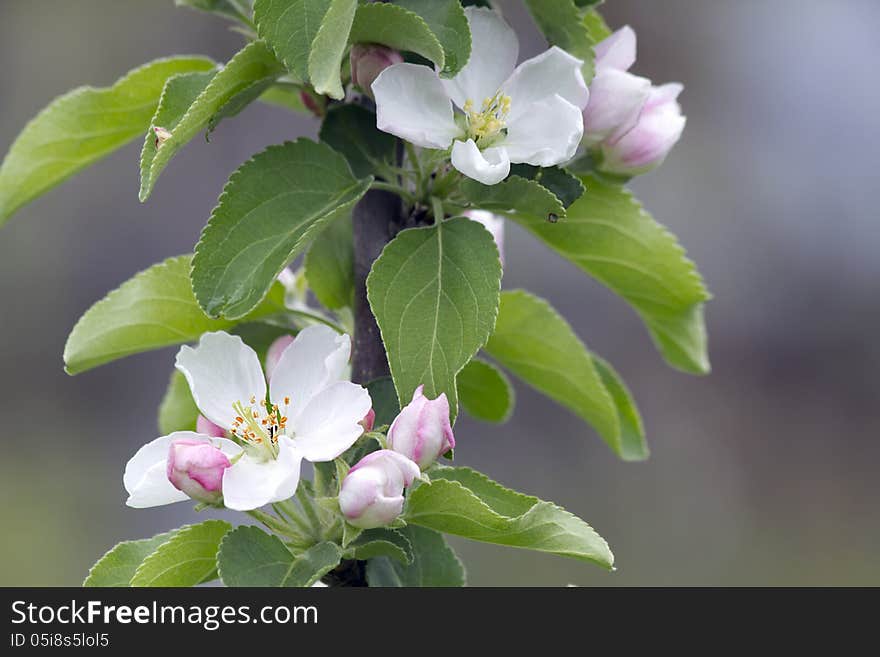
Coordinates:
369 420
367 61
422 431
205 427
493 223
616 100
273 354
196 467
372 492
647 144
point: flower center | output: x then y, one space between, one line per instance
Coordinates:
485 126
258 424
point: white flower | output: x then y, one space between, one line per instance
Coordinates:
310 413
493 223
530 114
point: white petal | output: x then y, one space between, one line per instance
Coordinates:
547 135
316 358
251 483
616 101
489 167
221 370
554 71
412 104
494 49
618 51
146 479
329 424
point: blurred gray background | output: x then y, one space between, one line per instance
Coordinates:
763 473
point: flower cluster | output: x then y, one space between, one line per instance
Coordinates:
492 113
251 438
307 411
631 122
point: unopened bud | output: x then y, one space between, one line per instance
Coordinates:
372 492
367 61
422 431
195 466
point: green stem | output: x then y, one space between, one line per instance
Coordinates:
396 189
275 524
414 159
437 209
291 515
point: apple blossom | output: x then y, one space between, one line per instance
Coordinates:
529 113
646 145
372 492
309 413
273 353
616 97
422 431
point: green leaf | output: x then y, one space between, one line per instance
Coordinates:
381 542
83 126
190 105
154 309
514 195
330 265
633 446
270 210
534 342
434 564
329 46
238 10
396 28
596 26
561 23
178 411
118 565
434 292
466 503
485 392
250 557
565 186
351 130
447 20
186 559
609 235
385 403
290 28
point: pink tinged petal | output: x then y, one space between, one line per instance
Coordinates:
550 134
273 354
493 223
330 423
412 104
553 72
489 167
616 101
253 482
146 479
221 370
208 428
317 358
617 51
646 145
494 51
195 466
